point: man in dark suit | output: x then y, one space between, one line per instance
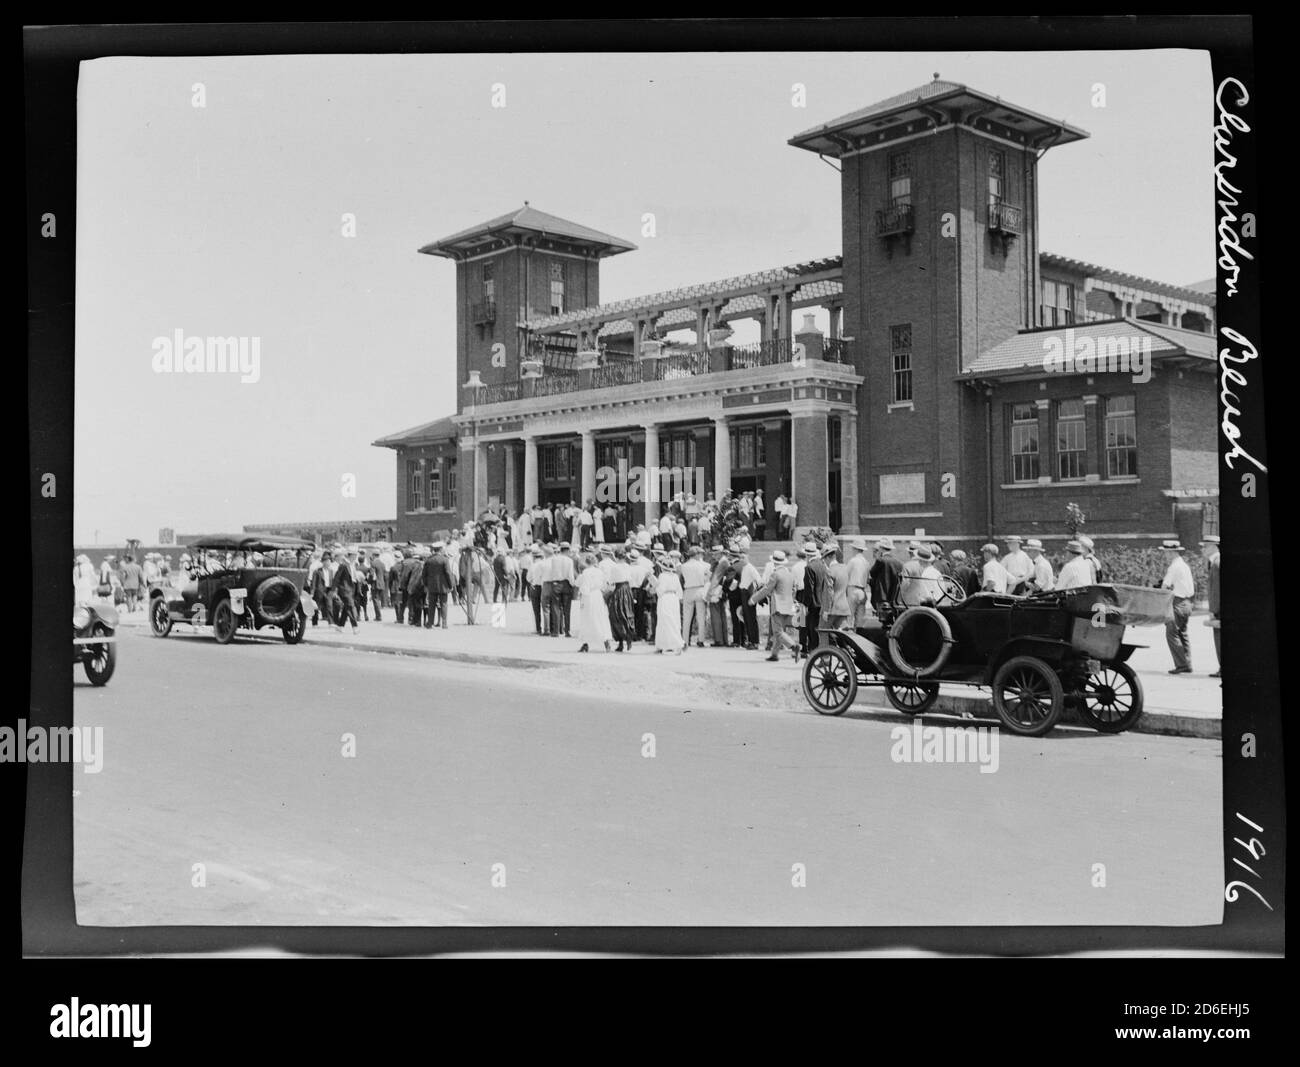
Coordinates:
964 574
344 586
814 578
413 583
438 583
397 587
885 576
319 590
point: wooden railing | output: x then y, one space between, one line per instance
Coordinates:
681 363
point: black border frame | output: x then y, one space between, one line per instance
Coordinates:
40 796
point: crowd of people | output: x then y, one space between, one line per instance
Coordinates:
684 581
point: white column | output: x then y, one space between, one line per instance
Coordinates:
530 471
721 456
588 467
511 501
848 472
650 484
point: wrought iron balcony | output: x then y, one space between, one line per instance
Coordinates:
483 312
680 364
895 219
1005 218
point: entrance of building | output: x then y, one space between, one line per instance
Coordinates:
833 496
754 483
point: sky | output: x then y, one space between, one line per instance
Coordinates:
228 220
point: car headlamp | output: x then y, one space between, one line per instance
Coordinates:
80 617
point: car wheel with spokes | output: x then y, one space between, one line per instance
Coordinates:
1111 701
830 680
1027 696
160 617
912 698
224 623
101 660
294 628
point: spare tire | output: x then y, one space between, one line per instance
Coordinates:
907 641
275 599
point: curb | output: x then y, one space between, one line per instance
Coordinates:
1166 723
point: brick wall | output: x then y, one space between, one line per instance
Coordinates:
961 294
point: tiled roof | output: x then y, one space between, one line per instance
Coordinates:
891 103
693 293
1027 351
529 218
1183 292
429 431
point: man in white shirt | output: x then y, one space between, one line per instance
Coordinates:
1041 579
922 587
791 517
541 577
995 575
1018 566
695 611
1077 571
859 567
1179 579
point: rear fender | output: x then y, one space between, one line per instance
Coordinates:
1127 650
1048 649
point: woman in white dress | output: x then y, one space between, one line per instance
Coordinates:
668 618
593 617
84 581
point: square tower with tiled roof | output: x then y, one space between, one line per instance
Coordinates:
939 218
509 270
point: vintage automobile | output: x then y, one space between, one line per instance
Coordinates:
1038 654
94 640
243 595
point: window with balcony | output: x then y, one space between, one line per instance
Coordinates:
415 479
484 309
557 288
1121 437
1024 443
835 441
1057 308
997 176
1071 440
900 179
900 350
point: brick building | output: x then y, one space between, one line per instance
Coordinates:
967 384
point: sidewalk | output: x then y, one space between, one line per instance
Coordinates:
1187 705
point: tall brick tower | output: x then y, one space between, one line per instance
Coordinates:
510 269
939 201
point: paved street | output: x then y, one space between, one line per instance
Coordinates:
230 757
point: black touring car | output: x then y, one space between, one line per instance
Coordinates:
1036 653
245 595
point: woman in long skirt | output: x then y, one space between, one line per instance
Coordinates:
593 618
620 601
668 622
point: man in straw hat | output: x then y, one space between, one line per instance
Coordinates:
1178 578
1077 571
